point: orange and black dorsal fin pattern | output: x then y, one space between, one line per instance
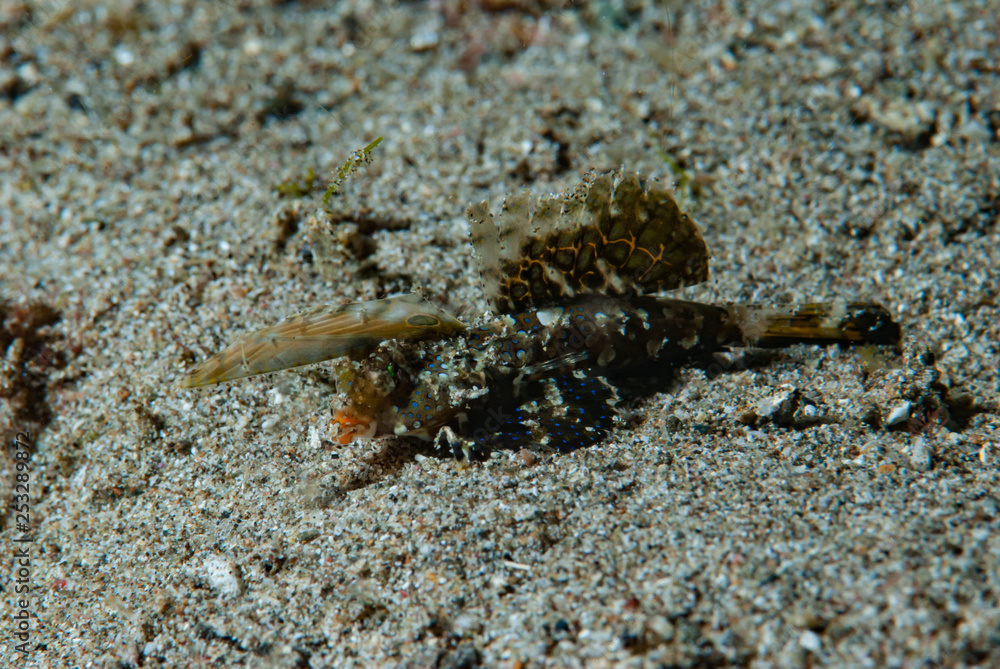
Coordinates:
610 235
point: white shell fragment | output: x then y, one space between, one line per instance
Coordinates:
780 405
788 407
920 455
899 414
223 575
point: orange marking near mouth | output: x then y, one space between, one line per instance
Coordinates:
350 426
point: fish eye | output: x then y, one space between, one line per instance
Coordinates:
423 321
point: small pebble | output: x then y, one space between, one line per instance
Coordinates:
920 456
811 641
224 575
898 414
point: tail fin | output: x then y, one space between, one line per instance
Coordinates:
850 324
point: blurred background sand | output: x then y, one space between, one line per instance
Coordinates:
158 199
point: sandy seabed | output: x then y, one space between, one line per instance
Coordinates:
156 202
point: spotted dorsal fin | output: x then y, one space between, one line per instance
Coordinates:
608 235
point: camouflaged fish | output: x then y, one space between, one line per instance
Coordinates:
575 281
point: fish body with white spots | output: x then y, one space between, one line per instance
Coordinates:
576 283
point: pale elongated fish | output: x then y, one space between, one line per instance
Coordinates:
323 333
